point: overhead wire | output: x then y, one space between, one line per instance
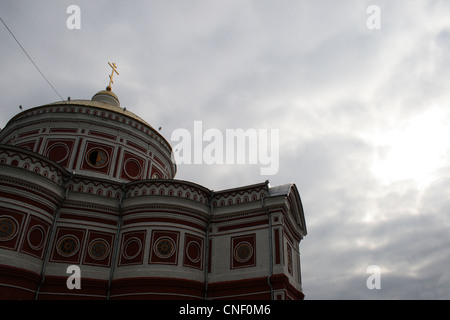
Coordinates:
35 65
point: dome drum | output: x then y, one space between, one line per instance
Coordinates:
96 140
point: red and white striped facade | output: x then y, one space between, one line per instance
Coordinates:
88 183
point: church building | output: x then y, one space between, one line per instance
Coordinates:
88 183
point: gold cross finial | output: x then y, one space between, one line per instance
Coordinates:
113 66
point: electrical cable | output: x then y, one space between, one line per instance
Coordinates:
31 60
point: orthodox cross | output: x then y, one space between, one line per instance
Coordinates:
113 66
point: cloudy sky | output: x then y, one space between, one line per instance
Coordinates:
362 113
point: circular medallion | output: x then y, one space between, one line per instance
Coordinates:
36 237
97 158
193 251
98 249
132 248
132 168
58 152
164 248
243 252
8 228
68 246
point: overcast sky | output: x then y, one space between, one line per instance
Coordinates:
363 114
